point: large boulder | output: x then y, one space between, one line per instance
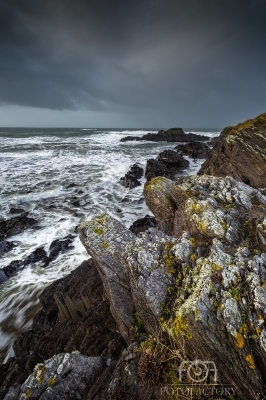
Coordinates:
168 163
131 178
240 152
170 135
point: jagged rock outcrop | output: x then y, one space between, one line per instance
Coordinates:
75 315
240 152
205 284
171 135
168 163
193 149
131 178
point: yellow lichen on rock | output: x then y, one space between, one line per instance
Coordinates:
240 342
250 361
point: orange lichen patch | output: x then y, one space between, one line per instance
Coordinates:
250 361
240 342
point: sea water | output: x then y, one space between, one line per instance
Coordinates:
45 171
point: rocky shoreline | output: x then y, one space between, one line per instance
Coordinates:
188 284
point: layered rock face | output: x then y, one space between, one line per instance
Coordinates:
75 316
240 152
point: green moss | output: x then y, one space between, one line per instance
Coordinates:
105 245
28 393
180 326
138 327
235 293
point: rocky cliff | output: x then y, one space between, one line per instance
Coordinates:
181 306
240 152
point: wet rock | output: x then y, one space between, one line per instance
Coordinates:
75 315
3 276
15 225
71 185
14 210
38 255
168 163
193 149
64 376
6 246
60 246
130 180
240 153
142 224
13 268
170 135
155 168
76 203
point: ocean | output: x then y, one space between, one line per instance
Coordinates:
63 177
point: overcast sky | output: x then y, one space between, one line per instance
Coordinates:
125 63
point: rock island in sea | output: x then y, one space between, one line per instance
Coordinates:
132 321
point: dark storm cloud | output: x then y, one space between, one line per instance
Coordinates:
168 56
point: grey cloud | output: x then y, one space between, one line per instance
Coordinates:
173 57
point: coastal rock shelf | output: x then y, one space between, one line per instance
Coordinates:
170 135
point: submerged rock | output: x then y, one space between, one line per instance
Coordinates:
193 149
6 246
240 152
15 225
39 255
171 135
168 164
60 246
14 210
130 180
